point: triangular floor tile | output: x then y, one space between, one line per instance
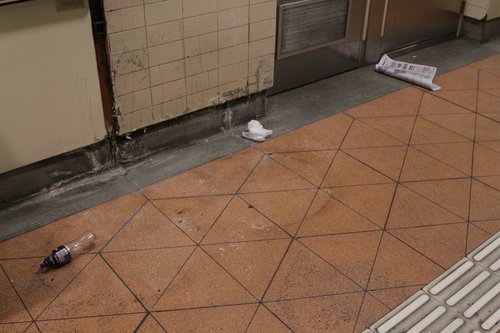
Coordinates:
464 98
265 321
400 103
225 319
493 181
303 274
386 160
461 124
33 329
493 145
494 116
428 132
14 328
286 209
195 216
104 220
363 136
97 291
320 314
241 222
392 297
490 62
321 135
38 290
252 264
464 78
137 233
456 155
485 202
475 237
486 160
208 179
312 166
200 283
150 325
346 171
489 79
397 265
412 210
399 128
371 311
371 201
445 244
122 323
494 92
419 166
435 105
487 103
487 129
352 254
11 307
329 216
490 226
148 272
451 194
269 175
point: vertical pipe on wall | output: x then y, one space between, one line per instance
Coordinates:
384 18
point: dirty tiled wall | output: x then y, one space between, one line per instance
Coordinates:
172 57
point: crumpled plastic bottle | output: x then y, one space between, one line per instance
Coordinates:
63 254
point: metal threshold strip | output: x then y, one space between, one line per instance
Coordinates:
464 299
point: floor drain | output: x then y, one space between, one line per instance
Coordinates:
464 299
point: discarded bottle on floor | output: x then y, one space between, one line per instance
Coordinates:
65 253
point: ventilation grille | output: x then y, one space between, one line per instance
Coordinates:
310 24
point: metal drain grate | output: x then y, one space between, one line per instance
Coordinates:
465 299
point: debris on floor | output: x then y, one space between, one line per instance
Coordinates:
421 75
256 131
63 254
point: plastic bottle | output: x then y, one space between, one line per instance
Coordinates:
63 254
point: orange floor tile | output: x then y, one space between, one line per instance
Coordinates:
323 229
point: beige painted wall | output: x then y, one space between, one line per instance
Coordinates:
49 91
479 9
172 57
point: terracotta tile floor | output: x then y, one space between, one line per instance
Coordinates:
323 229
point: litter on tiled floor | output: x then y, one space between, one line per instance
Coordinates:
323 229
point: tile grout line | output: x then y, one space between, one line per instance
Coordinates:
390 208
127 221
205 307
298 229
65 287
2 269
417 251
472 170
351 209
174 277
278 318
264 215
229 273
232 198
123 282
253 317
175 224
436 203
138 327
93 316
416 147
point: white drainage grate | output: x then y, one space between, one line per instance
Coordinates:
465 299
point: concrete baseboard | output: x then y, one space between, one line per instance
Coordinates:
481 31
25 182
